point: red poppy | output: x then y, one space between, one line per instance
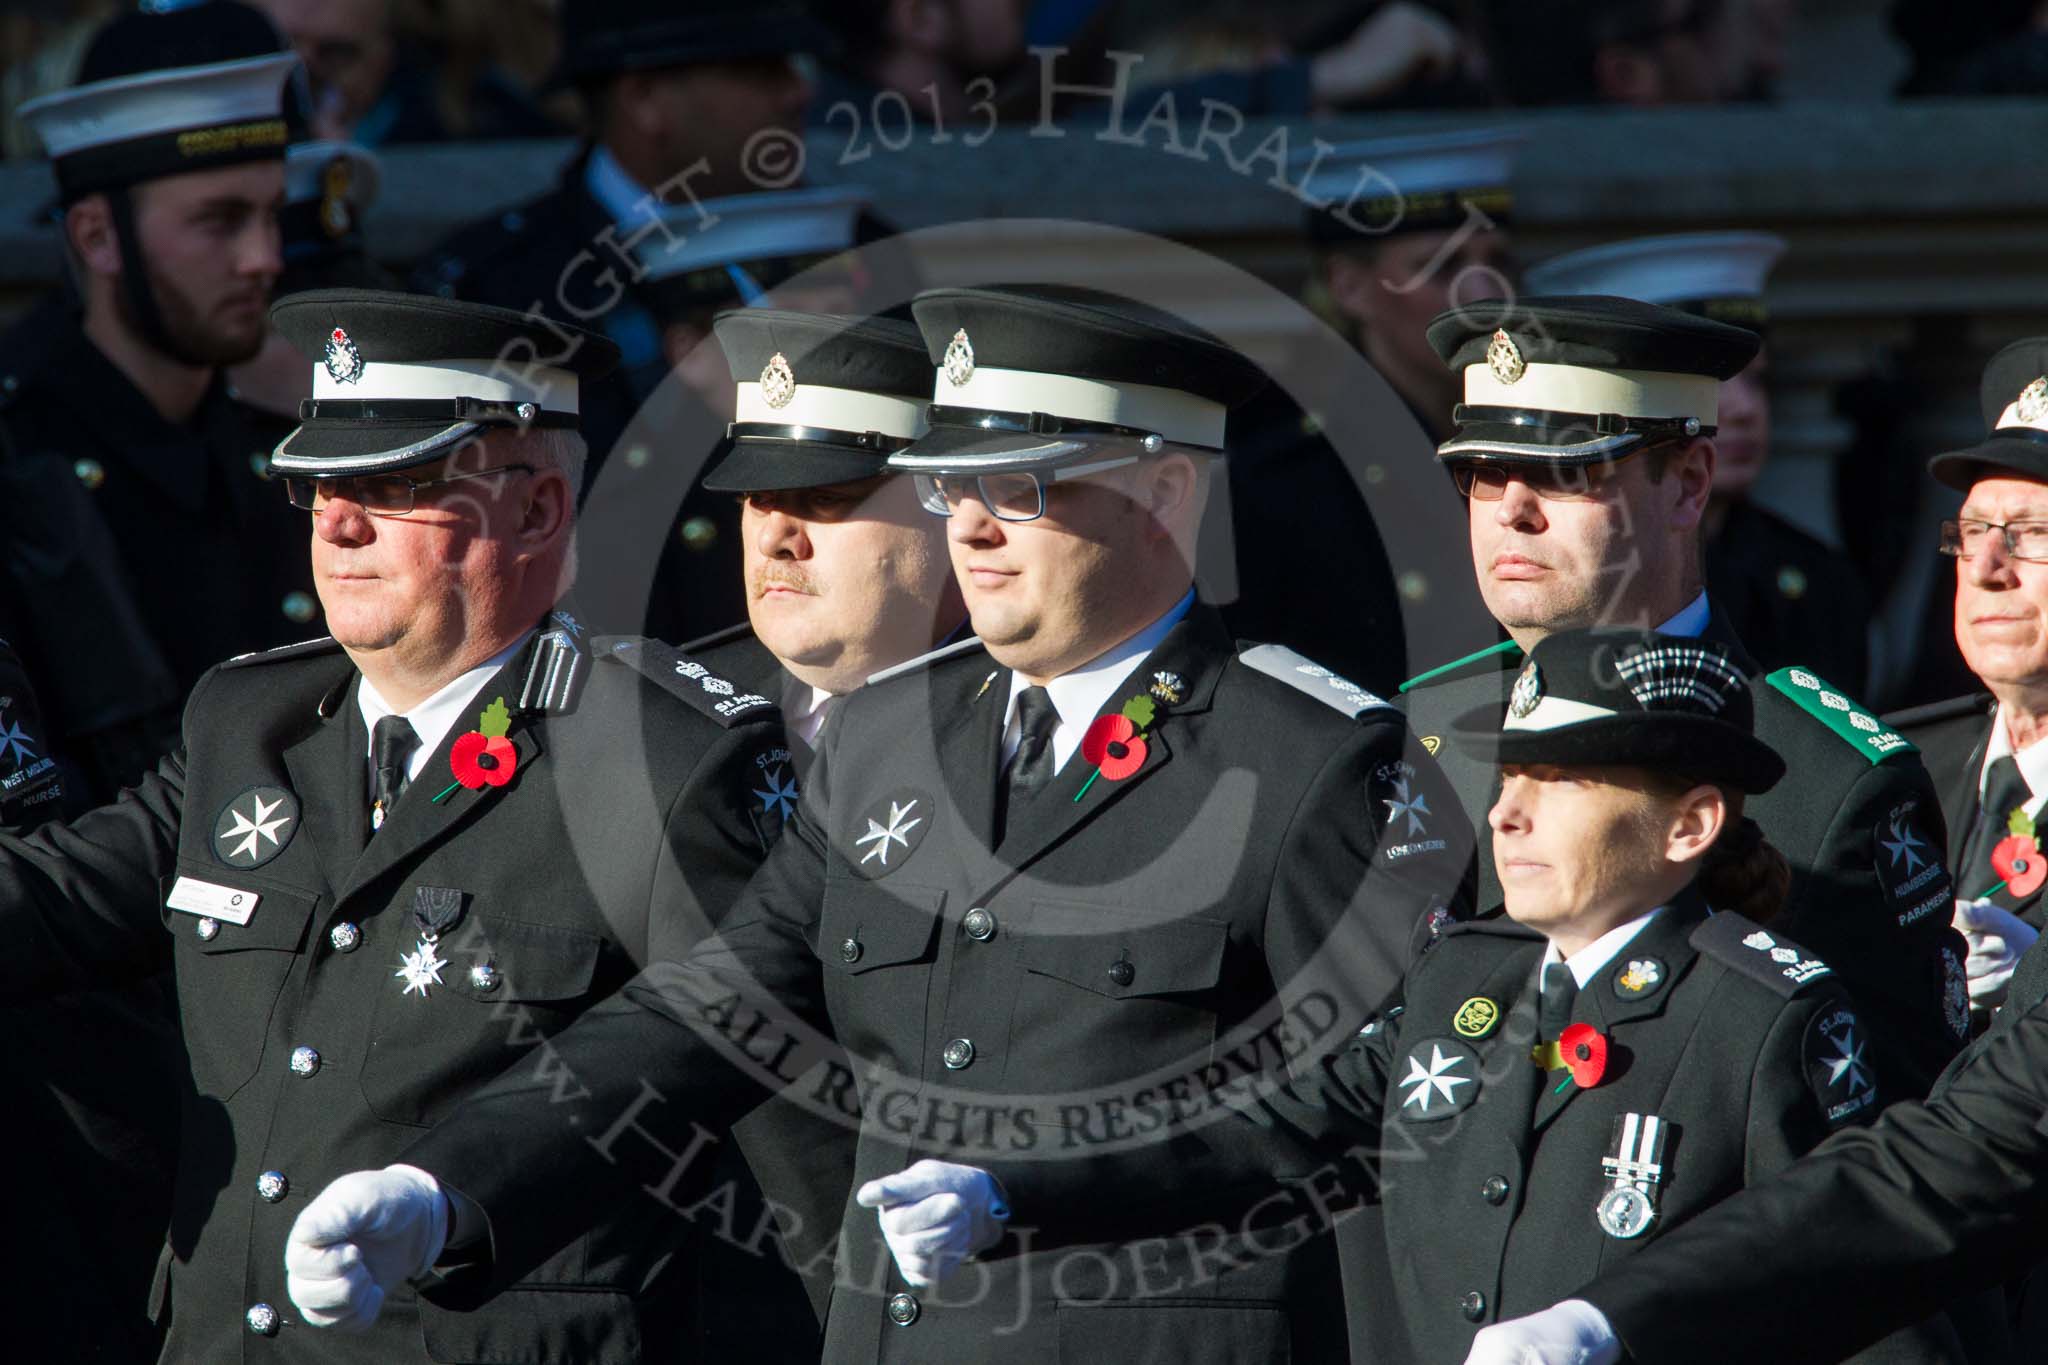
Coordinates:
1582 1048
479 759
1114 745
2019 860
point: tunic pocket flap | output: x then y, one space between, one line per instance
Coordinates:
513 960
868 925
277 921
1082 945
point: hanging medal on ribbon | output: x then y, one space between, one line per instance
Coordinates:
435 910
1635 1163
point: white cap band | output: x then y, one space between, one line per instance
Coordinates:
1553 713
816 405
128 108
1580 388
1178 416
550 389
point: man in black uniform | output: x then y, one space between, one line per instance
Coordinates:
386 864
1585 454
1408 226
1790 597
121 450
1057 892
846 576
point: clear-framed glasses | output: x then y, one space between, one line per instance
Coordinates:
1015 495
381 495
1966 538
1551 482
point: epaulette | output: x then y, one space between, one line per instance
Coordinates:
922 660
1768 958
1509 648
671 670
323 645
717 638
555 664
1305 675
1975 704
1853 725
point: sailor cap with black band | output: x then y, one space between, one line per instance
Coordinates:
710 252
165 94
1582 380
402 379
1628 698
1034 377
822 398
1425 182
2014 394
1718 275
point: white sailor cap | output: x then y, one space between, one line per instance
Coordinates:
1718 275
1422 182
327 188
742 245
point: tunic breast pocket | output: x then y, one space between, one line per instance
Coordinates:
876 942
505 985
230 975
1092 973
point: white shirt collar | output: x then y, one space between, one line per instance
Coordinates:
804 710
617 193
434 717
2032 760
1587 962
1078 696
1691 620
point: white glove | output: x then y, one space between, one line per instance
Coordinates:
1997 939
935 1215
1571 1333
368 1232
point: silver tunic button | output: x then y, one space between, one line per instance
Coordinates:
484 976
206 928
903 1309
262 1320
345 937
272 1186
958 1054
305 1061
979 924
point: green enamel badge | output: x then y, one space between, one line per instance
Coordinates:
1853 725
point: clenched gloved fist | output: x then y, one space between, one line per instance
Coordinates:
367 1233
935 1215
1997 940
1571 1333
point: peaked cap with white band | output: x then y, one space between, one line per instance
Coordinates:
822 398
1422 182
403 379
165 94
1032 377
2014 394
1583 379
1675 705
1718 275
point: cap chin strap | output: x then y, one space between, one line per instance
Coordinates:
142 309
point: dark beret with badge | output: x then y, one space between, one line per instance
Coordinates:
603 38
1625 698
163 94
1035 377
1714 275
822 398
1582 380
2014 394
403 379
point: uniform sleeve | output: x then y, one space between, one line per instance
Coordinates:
1877 1228
1813 1075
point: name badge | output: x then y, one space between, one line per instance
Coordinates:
212 900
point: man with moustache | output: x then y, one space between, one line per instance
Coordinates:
846 575
384 865
1040 889
122 451
1585 454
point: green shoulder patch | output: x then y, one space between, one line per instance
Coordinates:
1851 722
670 669
1509 648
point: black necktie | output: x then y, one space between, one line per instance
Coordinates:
391 746
1554 1010
2005 791
1031 768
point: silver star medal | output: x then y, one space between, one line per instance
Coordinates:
420 968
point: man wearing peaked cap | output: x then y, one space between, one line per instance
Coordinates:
1585 454
1038 884
1787 594
674 94
126 449
371 855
